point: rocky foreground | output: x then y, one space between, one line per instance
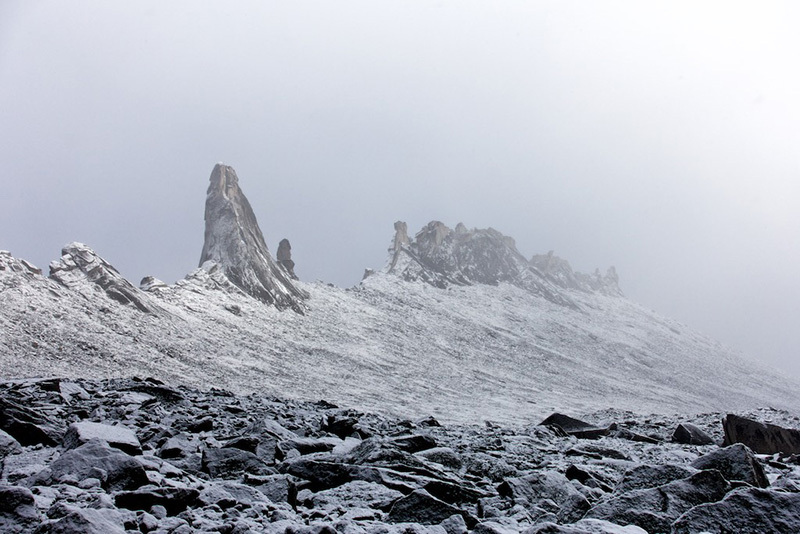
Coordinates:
135 455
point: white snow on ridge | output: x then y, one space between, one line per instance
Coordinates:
462 354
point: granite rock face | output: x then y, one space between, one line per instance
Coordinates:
192 461
81 269
444 257
234 242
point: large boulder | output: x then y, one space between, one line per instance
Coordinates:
174 500
736 463
18 512
649 476
654 509
118 437
26 425
95 459
744 511
546 485
762 438
230 463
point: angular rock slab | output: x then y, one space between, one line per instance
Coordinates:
654 509
690 434
744 511
736 463
762 438
118 437
585 526
421 507
574 427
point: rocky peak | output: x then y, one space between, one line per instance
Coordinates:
12 264
81 269
559 272
233 241
284 256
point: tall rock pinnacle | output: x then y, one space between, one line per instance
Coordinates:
234 241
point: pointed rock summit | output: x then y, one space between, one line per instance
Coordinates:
234 242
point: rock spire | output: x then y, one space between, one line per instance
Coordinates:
235 243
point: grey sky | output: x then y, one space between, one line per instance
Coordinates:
662 138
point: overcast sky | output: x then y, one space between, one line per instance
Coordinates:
659 137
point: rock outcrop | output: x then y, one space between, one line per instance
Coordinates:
559 272
82 270
443 257
284 256
233 240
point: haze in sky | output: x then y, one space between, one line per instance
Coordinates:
659 137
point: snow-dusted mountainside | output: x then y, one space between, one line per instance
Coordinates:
459 325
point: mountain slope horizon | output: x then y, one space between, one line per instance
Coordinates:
458 325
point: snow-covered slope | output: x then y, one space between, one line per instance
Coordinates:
459 325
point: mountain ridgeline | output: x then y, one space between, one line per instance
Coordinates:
458 324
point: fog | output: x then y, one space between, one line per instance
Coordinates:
661 138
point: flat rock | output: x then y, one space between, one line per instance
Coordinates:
736 463
744 511
547 485
118 437
762 438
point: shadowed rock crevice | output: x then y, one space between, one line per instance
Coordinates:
233 241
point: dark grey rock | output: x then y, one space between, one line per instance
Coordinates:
585 526
441 455
85 521
414 443
115 469
574 427
8 445
744 511
654 509
547 485
762 438
18 512
650 476
736 463
27 426
174 499
690 434
278 488
117 437
228 462
421 507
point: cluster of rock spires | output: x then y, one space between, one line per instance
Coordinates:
442 257
133 455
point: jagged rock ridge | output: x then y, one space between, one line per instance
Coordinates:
233 240
442 257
